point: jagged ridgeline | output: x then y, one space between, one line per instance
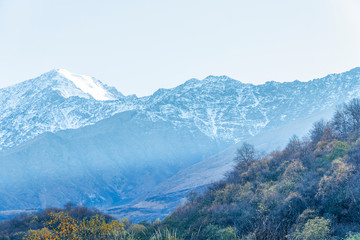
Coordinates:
309 190
68 137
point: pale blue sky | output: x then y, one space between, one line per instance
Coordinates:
140 46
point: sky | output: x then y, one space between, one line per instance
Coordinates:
140 46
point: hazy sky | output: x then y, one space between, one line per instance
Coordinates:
140 46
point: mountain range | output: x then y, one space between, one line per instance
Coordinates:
69 137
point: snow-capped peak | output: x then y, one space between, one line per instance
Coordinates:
87 84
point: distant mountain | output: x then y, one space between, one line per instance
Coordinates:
54 101
136 144
220 107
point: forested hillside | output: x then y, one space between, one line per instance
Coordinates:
310 190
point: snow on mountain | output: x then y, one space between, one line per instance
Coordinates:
86 84
54 101
227 109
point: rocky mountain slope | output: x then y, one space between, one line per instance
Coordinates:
220 107
54 101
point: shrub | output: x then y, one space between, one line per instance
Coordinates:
314 229
340 148
352 236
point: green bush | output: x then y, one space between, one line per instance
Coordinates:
314 229
339 150
352 236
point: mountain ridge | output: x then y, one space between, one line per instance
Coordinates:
168 132
30 108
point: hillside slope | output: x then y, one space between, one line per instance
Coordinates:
108 163
309 190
